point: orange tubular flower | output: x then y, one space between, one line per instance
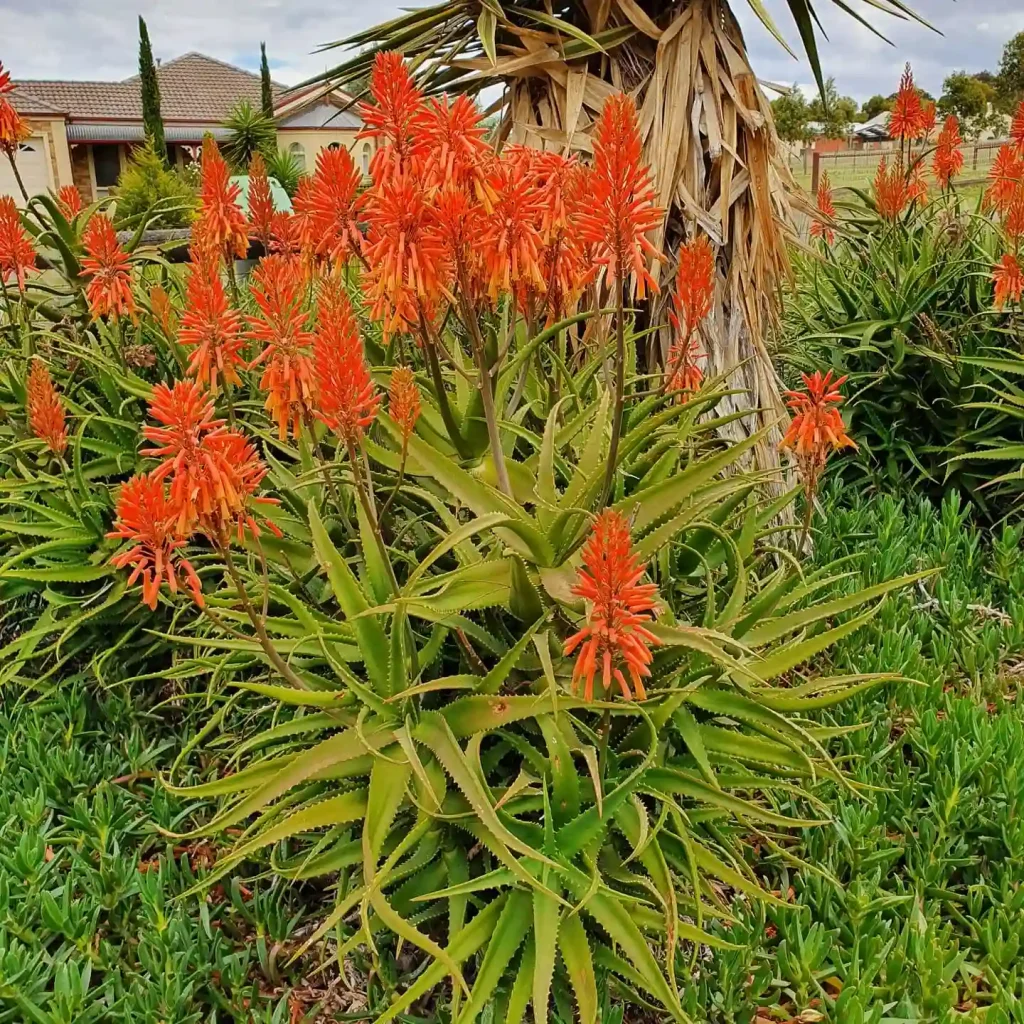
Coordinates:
332 205
281 329
827 208
45 409
211 327
145 517
286 235
817 428
510 241
620 608
404 401
17 254
213 473
454 226
109 291
949 157
695 286
394 118
404 253
1017 128
1008 278
69 199
163 311
621 209
893 192
261 203
347 398
1006 176
221 222
456 153
13 129
685 376
908 119
917 184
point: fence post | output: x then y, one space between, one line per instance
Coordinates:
815 171
974 162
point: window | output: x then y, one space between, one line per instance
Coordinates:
106 161
334 145
298 154
366 157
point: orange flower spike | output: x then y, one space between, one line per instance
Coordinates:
620 608
1017 128
817 427
510 242
347 397
237 471
929 118
405 255
286 235
261 202
145 517
686 376
106 264
281 329
908 119
454 226
395 116
13 129
45 409
332 205
695 286
163 311
892 190
221 221
621 210
917 186
211 328
456 153
69 200
949 158
17 254
1013 217
404 405
1005 175
186 416
1008 279
827 208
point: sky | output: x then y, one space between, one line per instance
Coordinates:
97 39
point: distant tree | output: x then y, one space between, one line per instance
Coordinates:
970 99
266 90
151 119
874 106
1010 79
791 114
250 131
834 112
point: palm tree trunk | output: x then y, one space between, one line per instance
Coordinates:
718 170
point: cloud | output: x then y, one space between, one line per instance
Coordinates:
97 38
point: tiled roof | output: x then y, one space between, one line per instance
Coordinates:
193 87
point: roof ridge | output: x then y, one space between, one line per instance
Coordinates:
213 60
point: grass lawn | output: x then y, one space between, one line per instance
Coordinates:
909 908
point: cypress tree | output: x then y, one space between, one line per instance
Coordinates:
266 92
151 119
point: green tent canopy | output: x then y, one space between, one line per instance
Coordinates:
280 198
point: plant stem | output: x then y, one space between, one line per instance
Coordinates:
454 434
484 384
620 387
368 511
398 484
17 175
321 458
229 260
224 549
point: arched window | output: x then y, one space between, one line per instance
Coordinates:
298 154
367 152
334 145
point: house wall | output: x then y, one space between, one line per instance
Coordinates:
55 139
81 172
312 140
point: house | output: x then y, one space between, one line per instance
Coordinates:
82 132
